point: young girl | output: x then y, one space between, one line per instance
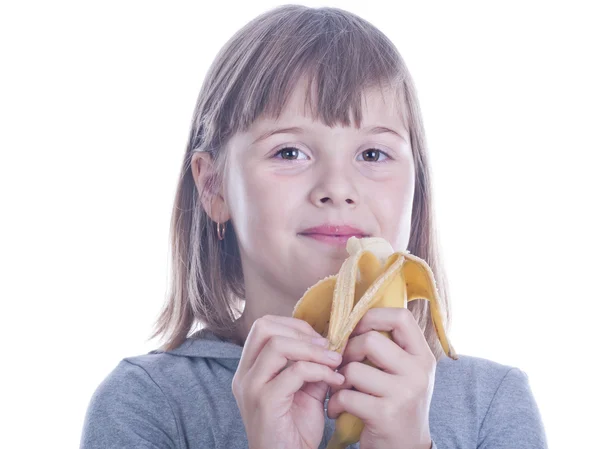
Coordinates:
307 131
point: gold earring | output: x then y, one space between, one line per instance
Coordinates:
221 230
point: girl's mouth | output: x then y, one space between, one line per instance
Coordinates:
332 239
334 234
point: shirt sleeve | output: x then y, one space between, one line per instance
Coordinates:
128 409
513 420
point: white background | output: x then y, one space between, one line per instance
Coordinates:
96 99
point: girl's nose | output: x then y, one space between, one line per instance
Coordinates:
337 191
327 199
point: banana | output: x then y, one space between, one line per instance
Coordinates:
373 275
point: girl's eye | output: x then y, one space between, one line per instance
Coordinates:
292 153
289 153
373 155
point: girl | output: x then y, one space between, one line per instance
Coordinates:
307 131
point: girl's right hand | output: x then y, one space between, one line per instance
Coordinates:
281 383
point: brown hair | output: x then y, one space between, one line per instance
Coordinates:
252 75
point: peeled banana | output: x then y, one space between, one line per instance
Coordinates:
373 275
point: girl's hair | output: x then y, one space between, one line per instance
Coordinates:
252 76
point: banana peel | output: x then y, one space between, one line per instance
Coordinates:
373 275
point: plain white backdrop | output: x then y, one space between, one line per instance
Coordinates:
96 100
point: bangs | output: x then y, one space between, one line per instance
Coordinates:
329 99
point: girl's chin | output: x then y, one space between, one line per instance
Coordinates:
322 260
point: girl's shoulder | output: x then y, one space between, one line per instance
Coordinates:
203 348
127 400
161 394
469 366
488 397
476 378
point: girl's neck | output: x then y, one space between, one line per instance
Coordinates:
257 306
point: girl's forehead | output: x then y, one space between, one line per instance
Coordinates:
380 106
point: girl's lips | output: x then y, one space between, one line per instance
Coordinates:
338 229
331 239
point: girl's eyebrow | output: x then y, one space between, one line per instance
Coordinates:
383 129
269 133
299 130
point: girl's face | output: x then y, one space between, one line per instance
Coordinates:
278 185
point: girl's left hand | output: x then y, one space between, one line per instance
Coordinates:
392 401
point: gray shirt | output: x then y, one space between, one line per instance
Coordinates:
183 399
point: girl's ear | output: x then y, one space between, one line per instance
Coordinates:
211 195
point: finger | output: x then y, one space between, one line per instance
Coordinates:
279 350
366 379
262 330
316 390
361 405
377 349
400 321
292 379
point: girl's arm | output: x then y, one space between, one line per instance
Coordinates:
129 410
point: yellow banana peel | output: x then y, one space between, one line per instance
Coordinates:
373 275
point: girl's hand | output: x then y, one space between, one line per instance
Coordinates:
393 402
281 383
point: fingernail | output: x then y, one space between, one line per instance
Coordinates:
336 356
321 341
340 378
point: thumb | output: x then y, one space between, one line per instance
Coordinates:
317 390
